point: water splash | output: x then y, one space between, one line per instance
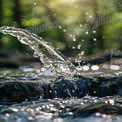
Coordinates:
49 56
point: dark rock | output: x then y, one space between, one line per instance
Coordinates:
82 87
16 91
104 90
20 91
65 89
48 91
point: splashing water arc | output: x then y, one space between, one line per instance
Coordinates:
49 56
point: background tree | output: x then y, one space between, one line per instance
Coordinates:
83 27
1 18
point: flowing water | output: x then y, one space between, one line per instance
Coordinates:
73 109
49 56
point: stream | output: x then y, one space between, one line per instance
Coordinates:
59 93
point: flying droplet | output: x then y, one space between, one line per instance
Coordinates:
94 31
81 53
82 40
70 35
79 46
80 25
35 3
87 32
76 6
86 13
94 39
60 27
74 39
73 47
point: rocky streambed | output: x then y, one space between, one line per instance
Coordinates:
27 96
20 87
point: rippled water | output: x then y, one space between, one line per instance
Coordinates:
86 109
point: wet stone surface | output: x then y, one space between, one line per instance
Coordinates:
28 97
19 91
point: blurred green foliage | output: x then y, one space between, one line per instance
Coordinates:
75 27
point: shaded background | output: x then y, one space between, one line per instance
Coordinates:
75 27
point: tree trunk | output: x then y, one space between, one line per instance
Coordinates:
17 12
17 18
1 18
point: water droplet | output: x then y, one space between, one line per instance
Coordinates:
43 69
94 31
94 39
14 109
79 46
38 70
85 67
58 120
76 6
30 118
87 32
86 13
105 66
114 67
74 39
82 40
79 68
95 67
81 53
60 27
111 102
80 25
7 114
73 47
98 114
106 102
70 35
35 3
104 115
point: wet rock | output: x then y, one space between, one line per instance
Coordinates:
65 89
20 91
108 86
16 91
82 87
48 92
104 90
